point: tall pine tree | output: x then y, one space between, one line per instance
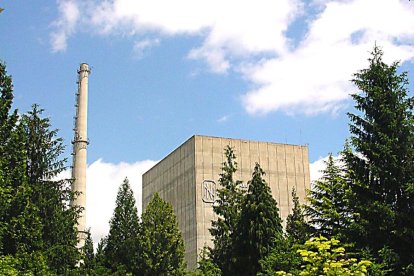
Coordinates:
382 166
297 229
20 222
120 249
283 255
328 210
50 195
88 265
162 245
227 207
258 228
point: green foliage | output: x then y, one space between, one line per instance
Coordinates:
8 266
20 226
227 207
99 260
37 227
321 256
161 243
88 257
297 229
206 267
328 208
258 228
381 168
51 196
120 247
24 264
282 257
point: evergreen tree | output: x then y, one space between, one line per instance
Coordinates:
297 229
206 267
161 242
381 168
283 256
20 226
120 246
23 232
100 260
50 195
328 210
88 264
227 207
258 228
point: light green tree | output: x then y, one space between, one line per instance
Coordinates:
321 256
162 245
328 206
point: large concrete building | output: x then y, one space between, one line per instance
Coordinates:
187 178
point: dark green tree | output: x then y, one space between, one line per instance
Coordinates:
50 194
205 266
283 256
20 222
23 232
381 164
88 257
100 260
161 242
227 207
328 208
258 228
297 229
120 246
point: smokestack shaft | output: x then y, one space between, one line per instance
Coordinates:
80 143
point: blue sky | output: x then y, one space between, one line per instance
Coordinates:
163 71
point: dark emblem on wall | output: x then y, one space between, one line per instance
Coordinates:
244 186
208 188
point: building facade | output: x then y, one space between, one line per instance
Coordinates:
188 179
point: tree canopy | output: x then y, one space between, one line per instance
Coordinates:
124 228
162 245
259 225
380 162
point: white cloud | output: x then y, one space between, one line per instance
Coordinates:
216 58
228 24
309 76
315 76
142 46
68 18
223 119
103 181
315 168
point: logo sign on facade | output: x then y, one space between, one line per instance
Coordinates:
244 186
208 191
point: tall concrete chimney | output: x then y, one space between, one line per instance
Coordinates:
80 143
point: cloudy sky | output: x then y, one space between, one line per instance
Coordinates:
162 71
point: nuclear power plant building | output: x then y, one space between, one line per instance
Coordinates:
188 179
